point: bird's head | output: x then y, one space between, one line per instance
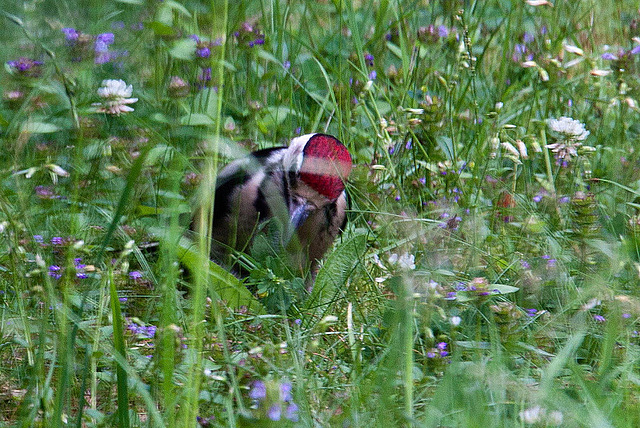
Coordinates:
317 167
319 164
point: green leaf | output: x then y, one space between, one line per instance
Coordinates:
177 7
332 278
221 282
161 29
273 117
503 289
446 145
394 49
122 411
184 49
196 119
39 128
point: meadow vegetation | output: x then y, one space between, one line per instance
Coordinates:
489 273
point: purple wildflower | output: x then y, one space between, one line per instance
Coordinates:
146 332
70 34
635 51
599 318
431 354
23 64
291 412
537 198
55 271
444 353
101 47
38 238
205 75
609 56
443 31
373 75
286 65
203 52
369 59
258 390
442 346
26 67
105 39
625 315
150 331
285 391
135 274
45 192
274 413
57 240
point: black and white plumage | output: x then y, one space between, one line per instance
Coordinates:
301 187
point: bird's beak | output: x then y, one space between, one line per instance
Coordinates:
299 214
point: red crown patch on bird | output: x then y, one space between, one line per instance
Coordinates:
326 165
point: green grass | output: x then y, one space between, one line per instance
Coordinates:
475 285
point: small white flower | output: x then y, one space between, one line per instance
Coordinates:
569 128
40 261
570 133
58 170
574 49
115 95
405 261
511 149
555 418
532 415
591 304
455 321
329 319
376 260
522 148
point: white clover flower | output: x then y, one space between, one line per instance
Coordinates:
455 321
555 418
569 128
115 95
570 133
532 415
405 261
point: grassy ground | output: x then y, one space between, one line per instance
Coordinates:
489 273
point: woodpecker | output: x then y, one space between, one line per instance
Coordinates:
300 187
